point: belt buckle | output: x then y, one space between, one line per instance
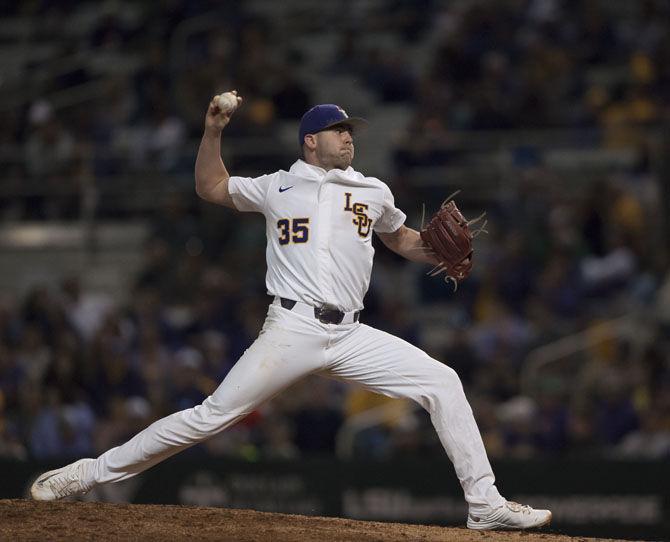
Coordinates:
328 316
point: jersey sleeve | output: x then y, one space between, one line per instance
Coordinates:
249 194
391 218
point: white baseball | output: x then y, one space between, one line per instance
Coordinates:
227 102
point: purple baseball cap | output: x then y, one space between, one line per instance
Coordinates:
324 116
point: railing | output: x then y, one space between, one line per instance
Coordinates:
632 327
37 78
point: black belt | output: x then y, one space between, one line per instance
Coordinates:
323 314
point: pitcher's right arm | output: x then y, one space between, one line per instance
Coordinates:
211 175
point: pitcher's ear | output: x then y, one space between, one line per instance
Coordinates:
310 141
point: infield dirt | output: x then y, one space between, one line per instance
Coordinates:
22 520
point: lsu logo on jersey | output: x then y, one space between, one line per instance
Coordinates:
361 220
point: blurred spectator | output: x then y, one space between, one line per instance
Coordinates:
158 143
189 386
50 155
214 346
33 355
62 430
50 148
651 441
85 311
615 414
126 417
551 434
153 361
559 286
518 417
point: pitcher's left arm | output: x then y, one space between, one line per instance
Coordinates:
407 242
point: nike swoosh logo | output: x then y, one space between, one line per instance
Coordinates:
284 189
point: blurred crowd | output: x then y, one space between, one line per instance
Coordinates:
547 63
123 87
81 372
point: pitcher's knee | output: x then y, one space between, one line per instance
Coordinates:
448 378
445 394
213 417
441 384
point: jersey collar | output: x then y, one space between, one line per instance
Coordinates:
303 169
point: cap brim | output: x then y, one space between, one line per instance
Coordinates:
358 124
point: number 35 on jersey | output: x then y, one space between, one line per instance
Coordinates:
293 230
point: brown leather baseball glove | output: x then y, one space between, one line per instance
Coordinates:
448 235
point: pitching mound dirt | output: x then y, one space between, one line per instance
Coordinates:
22 520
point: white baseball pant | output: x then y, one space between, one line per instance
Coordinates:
291 346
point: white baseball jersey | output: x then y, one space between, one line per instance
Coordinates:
319 230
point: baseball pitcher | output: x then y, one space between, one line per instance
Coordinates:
320 217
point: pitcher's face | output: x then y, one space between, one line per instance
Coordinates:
335 147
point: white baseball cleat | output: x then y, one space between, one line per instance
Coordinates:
63 482
510 516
